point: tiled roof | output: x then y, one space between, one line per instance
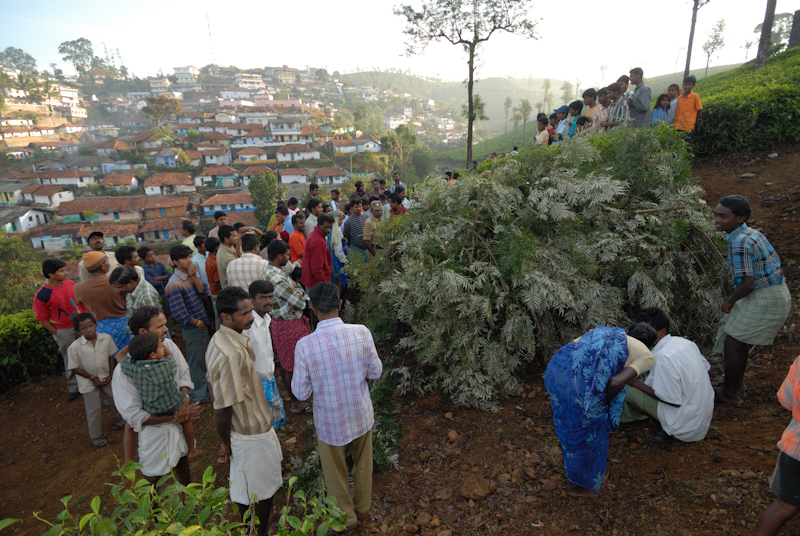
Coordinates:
343 143
65 174
247 217
258 134
11 175
215 152
227 199
120 204
116 145
210 144
193 155
53 143
32 188
56 230
296 148
169 179
217 136
330 172
118 179
305 131
217 170
373 137
46 190
251 150
111 229
255 170
294 171
162 224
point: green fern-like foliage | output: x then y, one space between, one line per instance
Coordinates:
505 267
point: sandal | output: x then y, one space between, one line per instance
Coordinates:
102 442
659 436
306 410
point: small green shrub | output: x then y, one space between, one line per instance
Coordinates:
199 509
28 350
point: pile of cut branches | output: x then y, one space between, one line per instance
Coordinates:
505 267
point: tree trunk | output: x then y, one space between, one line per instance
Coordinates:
765 43
470 112
695 7
794 38
708 60
506 124
523 131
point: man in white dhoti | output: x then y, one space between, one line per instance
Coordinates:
242 415
158 436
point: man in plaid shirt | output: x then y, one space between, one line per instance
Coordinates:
185 290
137 291
288 325
334 364
756 311
249 267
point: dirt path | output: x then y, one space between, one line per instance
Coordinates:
714 487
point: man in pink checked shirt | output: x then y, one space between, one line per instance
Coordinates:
334 364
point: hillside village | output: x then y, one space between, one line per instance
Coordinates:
86 156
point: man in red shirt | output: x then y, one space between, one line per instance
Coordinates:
316 255
212 274
55 306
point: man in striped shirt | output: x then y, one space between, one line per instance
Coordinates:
334 364
353 230
618 112
137 291
185 290
242 415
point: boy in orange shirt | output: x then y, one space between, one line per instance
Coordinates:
687 111
297 240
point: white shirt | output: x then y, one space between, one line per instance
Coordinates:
680 376
261 339
127 398
406 203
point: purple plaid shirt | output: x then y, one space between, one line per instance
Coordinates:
334 364
184 300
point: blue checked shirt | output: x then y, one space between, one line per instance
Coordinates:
184 300
751 254
155 381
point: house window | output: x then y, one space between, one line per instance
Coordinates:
30 218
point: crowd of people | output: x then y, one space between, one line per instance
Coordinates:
247 302
244 302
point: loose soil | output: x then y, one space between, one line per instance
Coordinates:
714 487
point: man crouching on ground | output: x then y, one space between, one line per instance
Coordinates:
241 412
334 364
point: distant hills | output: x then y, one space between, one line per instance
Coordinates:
495 90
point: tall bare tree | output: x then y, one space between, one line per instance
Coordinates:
466 23
525 109
695 8
715 42
765 43
507 104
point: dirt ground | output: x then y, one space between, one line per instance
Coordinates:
714 487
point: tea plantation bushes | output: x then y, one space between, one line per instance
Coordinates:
748 108
27 350
504 268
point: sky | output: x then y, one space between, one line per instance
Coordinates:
575 40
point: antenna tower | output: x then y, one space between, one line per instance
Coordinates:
211 43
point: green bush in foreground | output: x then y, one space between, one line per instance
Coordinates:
749 108
27 350
504 268
199 509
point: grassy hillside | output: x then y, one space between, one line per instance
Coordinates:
659 84
457 158
453 94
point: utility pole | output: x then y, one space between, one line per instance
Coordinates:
211 44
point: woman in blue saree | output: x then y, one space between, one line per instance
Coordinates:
586 380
